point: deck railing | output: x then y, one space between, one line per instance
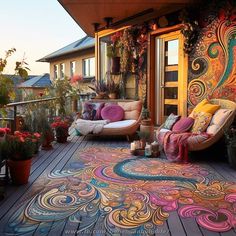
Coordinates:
16 105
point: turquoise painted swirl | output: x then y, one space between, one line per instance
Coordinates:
226 37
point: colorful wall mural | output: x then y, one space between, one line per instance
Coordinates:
211 49
212 64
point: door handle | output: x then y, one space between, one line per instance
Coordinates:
162 86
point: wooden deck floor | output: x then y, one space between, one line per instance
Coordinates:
59 159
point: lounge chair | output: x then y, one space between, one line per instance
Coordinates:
197 144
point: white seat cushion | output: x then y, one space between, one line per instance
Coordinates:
119 124
217 120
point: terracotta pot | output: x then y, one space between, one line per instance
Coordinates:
115 65
36 148
62 139
146 122
112 95
102 94
19 171
47 142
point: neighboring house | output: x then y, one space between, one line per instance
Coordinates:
35 85
180 51
17 80
77 58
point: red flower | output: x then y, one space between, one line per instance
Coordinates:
4 131
76 79
37 135
59 122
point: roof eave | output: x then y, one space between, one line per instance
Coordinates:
48 59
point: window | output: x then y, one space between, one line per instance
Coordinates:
72 68
55 71
89 67
62 70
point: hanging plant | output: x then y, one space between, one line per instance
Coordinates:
190 31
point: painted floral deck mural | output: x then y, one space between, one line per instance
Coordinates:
212 66
119 193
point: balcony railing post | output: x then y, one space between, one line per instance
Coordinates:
14 124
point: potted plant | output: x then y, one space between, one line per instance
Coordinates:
100 87
61 126
230 136
18 150
145 117
46 131
113 89
37 120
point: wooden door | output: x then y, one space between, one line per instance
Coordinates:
170 76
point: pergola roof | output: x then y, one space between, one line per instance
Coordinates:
123 12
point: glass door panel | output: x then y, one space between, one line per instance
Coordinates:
167 75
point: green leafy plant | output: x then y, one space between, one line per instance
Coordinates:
7 89
61 89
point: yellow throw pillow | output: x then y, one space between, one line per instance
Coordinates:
201 121
206 106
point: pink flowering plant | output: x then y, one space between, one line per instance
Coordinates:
61 126
75 82
19 146
4 131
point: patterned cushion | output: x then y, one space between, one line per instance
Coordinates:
183 125
206 106
112 113
218 120
92 110
170 121
132 109
201 121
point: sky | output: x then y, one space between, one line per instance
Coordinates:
35 28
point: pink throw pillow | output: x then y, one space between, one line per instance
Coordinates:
183 125
112 113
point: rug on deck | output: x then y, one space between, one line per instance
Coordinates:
110 189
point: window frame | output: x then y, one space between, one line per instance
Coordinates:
62 71
89 76
56 71
72 68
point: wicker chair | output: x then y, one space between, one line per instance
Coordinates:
225 104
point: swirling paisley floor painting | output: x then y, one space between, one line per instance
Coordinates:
122 192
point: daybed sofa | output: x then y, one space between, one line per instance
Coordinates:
128 125
220 122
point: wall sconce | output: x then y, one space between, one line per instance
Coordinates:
108 21
154 26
